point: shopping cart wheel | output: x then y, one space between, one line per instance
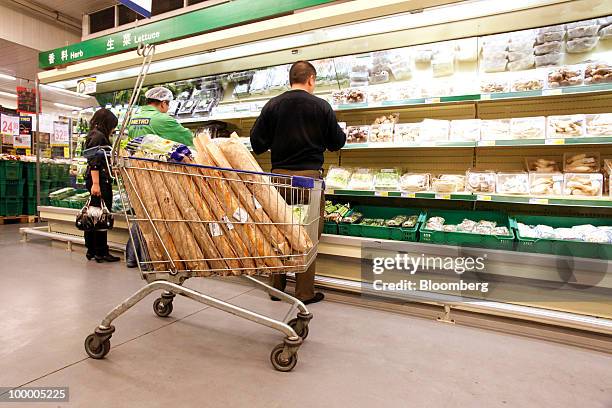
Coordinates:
162 307
99 352
300 326
279 362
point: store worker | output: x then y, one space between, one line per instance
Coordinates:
297 127
154 120
98 181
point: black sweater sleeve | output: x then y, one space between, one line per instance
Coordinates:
261 136
335 138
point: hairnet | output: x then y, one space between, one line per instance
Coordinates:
159 93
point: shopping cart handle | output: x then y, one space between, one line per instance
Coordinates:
96 151
304 182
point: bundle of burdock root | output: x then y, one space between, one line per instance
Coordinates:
215 222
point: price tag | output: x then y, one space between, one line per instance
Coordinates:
443 196
486 143
329 192
485 97
381 193
554 141
432 100
9 127
551 92
483 197
408 195
538 201
60 135
66 152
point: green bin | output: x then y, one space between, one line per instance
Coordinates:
392 233
10 170
330 228
11 188
11 206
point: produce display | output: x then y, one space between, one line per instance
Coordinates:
546 183
565 126
357 134
407 132
335 212
598 73
466 130
584 233
578 184
482 227
540 165
581 163
361 179
565 76
353 218
390 119
433 130
599 125
402 221
522 84
495 129
386 179
381 133
481 181
499 84
512 183
337 178
528 128
448 183
414 182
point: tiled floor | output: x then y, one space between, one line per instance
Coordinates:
201 357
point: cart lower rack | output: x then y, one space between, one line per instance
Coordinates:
192 220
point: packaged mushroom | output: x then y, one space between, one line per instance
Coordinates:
606 33
522 64
448 183
379 94
433 130
512 183
565 126
355 95
407 132
381 133
551 29
467 130
581 163
414 182
552 36
540 165
357 134
495 129
528 128
392 118
553 47
599 125
583 184
565 76
443 64
582 31
423 55
480 181
579 45
494 84
532 81
598 73
545 184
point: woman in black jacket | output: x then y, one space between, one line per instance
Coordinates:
99 182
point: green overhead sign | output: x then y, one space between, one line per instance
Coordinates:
199 21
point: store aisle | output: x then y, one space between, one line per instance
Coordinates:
202 357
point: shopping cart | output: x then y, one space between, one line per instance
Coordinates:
203 221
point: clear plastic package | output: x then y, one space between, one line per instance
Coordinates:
466 130
565 126
337 178
387 180
480 181
565 76
606 33
581 23
434 130
401 91
599 125
466 50
400 67
550 37
443 64
357 134
546 184
582 44
583 184
495 129
494 84
608 176
391 118
542 165
522 64
414 182
551 29
529 81
436 88
597 73
448 183
381 133
355 95
520 54
582 31
582 162
548 48
528 128
512 183
407 132
494 64
379 94
423 55
361 179
548 60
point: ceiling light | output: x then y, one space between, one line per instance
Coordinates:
10 95
61 105
65 91
9 77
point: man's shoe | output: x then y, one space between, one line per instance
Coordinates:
89 256
131 264
317 298
99 259
111 258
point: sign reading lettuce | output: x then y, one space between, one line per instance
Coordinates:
199 21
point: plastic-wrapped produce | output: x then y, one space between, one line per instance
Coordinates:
423 55
565 126
355 95
532 81
382 133
548 48
597 73
480 181
494 84
391 118
494 64
522 64
467 130
387 180
448 183
546 183
599 125
583 184
512 183
433 130
337 178
582 44
361 179
565 76
259 83
436 88
443 64
407 132
435 223
400 67
604 21
379 94
581 162
519 55
359 76
414 182
528 128
548 60
606 33
552 36
357 134
551 29
495 129
582 31
541 165
466 50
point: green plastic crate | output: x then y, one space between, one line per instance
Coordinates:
465 238
29 206
11 188
10 170
29 171
558 246
392 233
11 206
330 228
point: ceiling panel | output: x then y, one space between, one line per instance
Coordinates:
18 60
76 9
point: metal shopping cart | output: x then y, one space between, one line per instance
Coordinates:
205 221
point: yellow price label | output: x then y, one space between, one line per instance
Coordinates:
331 192
432 100
550 92
66 152
538 201
409 195
381 194
443 196
484 198
555 141
486 143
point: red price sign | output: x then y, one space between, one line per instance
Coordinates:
9 127
61 134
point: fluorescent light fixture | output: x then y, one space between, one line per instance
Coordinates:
65 91
9 95
9 77
70 107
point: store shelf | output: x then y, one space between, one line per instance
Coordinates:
500 198
546 142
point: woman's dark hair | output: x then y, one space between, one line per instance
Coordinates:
104 121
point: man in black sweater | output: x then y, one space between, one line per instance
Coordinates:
297 127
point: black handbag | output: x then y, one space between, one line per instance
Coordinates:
92 218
